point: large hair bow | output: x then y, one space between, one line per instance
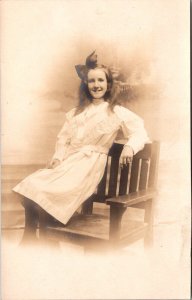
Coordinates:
90 63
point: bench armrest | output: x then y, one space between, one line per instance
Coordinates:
132 198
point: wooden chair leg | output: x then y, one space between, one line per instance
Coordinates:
116 213
87 207
149 217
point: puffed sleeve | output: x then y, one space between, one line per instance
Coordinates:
132 128
63 138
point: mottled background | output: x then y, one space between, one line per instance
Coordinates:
149 41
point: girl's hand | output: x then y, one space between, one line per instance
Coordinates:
126 155
54 163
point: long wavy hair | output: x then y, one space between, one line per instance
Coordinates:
110 96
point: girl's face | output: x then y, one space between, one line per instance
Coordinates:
97 83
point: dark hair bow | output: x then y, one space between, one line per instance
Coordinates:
90 63
91 60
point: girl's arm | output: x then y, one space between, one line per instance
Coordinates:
60 147
132 127
135 132
63 139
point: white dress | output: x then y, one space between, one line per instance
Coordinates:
82 147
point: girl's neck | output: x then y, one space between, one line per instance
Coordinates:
98 101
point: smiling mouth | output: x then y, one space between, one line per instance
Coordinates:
98 90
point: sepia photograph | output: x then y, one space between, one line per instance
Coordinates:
95 149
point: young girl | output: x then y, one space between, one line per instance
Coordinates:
82 146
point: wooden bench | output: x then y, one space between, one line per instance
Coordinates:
132 186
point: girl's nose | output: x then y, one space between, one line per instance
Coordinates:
96 83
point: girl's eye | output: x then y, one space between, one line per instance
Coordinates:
91 80
101 79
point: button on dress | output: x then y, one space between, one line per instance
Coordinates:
82 147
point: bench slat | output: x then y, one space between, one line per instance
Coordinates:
144 176
102 184
113 176
134 175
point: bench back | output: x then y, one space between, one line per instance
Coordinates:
138 175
